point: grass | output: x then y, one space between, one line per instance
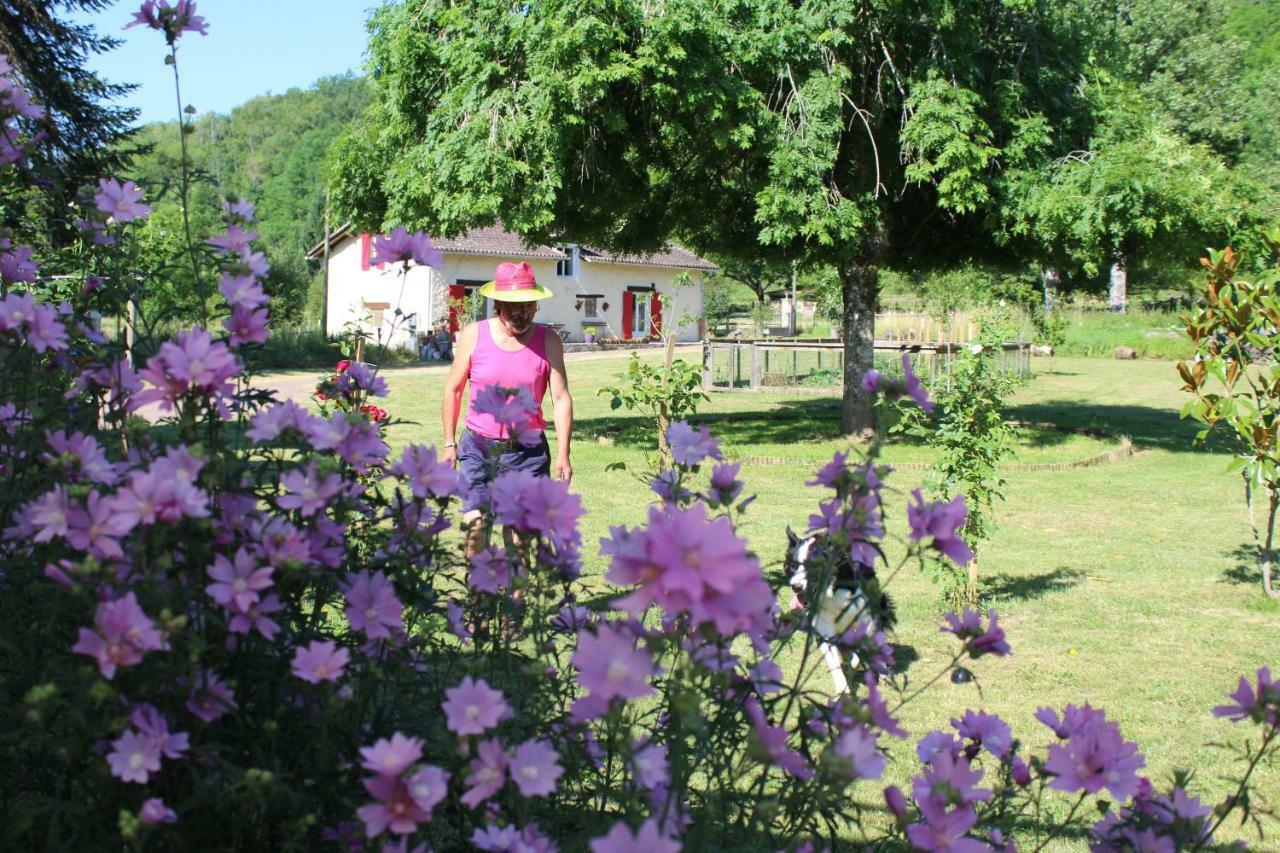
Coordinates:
1122 585
1151 334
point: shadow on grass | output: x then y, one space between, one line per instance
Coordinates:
1007 587
1244 569
903 657
1149 427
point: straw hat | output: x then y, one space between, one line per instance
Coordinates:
514 283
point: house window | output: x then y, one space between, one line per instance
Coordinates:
568 267
591 307
376 315
640 316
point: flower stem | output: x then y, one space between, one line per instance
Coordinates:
184 173
1244 784
1057 830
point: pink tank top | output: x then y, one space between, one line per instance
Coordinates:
524 368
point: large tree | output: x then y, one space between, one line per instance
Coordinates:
1137 191
830 131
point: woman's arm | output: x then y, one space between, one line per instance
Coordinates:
459 371
562 407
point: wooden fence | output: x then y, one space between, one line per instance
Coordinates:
749 365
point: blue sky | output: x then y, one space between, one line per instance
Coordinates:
253 47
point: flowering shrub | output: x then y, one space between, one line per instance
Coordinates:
240 624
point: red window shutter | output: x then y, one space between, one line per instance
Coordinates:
655 316
628 313
364 251
457 295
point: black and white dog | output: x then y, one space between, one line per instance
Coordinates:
850 595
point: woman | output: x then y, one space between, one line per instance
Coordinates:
512 351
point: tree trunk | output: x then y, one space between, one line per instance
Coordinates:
1119 295
860 281
971 590
1050 280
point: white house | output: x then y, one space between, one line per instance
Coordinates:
616 295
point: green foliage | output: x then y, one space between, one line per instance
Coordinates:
761 314
718 307
1138 190
665 393
1236 379
272 151
972 437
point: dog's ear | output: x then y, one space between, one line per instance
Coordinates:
792 538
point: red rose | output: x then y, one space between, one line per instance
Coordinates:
343 365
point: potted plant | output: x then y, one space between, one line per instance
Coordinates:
589 335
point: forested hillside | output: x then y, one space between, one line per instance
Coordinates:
271 150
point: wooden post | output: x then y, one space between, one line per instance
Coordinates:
706 364
755 367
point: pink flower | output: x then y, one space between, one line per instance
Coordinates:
610 666
772 741
879 709
859 747
685 563
213 699
173 20
247 326
192 363
395 809
236 239
154 811
490 570
537 505
1261 704
488 772
236 585
428 786
943 830
151 723
134 757
120 202
647 839
308 492
987 731
979 641
255 618
425 475
688 447
473 707
238 209
948 781
535 768
320 661
650 765
400 245
941 522
1095 756
17 266
372 606
391 757
124 635
269 422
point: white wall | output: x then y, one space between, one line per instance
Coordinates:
425 293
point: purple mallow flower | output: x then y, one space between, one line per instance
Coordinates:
1261 703
120 202
689 447
322 660
124 634
535 767
372 606
610 666
648 838
391 756
986 731
401 245
1093 756
941 523
473 707
172 20
979 640
875 382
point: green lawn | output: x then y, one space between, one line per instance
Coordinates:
1121 584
